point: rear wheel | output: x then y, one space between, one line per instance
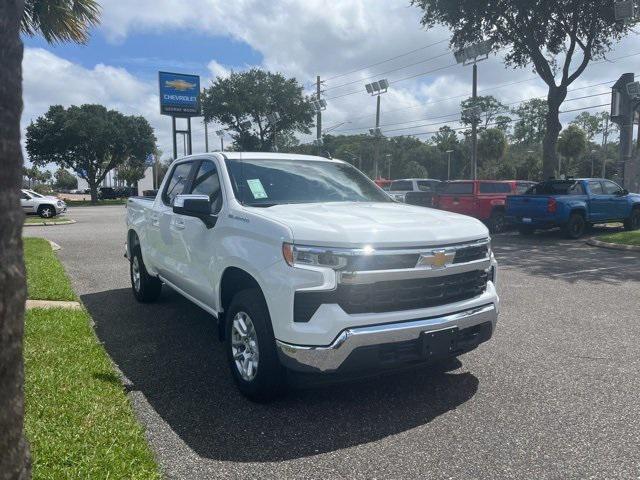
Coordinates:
497 221
633 222
46 211
576 226
251 347
145 288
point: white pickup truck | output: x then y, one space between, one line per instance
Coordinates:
309 267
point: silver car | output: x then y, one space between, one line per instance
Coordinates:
47 207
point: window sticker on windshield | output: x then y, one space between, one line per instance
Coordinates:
256 188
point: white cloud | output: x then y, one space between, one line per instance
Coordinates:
303 38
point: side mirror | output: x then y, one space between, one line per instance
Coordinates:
624 192
198 206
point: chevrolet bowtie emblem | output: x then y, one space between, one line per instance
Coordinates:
438 259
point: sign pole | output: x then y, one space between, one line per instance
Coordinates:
175 140
190 150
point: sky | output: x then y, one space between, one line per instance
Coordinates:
347 42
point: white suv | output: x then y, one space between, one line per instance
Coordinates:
47 207
309 267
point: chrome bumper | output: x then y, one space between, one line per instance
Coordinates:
329 358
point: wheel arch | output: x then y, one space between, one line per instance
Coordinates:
232 281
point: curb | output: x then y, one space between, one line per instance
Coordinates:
613 246
52 304
45 224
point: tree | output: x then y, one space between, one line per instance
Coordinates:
445 139
131 171
530 126
254 96
486 108
551 35
591 124
90 140
571 144
33 174
58 22
64 180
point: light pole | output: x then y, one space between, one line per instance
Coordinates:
220 133
449 152
473 54
319 104
593 152
375 89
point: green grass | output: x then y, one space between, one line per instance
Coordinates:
54 220
87 203
46 278
78 419
626 238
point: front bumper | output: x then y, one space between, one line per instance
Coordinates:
393 343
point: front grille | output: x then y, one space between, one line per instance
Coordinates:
469 254
391 296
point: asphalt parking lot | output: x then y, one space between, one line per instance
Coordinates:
554 395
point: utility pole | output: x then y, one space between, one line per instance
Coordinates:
625 99
473 54
605 136
388 155
206 137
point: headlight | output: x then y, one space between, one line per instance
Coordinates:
296 255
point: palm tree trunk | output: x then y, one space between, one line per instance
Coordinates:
14 450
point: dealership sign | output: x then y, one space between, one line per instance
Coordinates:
179 94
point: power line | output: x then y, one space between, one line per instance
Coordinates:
387 60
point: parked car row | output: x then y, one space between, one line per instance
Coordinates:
481 199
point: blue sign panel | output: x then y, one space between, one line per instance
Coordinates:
179 94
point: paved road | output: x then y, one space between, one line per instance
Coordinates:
553 395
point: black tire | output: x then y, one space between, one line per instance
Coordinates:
268 376
576 226
145 288
497 221
633 222
47 211
525 230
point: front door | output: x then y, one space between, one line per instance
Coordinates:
598 202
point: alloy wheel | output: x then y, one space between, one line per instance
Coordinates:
135 273
244 346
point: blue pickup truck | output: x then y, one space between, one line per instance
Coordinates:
573 205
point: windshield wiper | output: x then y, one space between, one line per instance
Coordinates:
261 205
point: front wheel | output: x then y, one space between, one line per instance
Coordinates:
251 347
145 288
633 222
46 211
575 227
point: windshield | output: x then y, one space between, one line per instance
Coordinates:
264 183
35 194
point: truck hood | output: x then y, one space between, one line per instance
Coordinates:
355 224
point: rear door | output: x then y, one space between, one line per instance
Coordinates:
172 255
490 196
457 197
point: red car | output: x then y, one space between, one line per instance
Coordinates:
482 199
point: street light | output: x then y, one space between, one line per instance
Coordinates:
593 152
375 89
220 133
388 155
449 152
472 54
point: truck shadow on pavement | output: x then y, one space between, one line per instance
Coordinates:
550 255
169 351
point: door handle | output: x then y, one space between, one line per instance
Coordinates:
179 224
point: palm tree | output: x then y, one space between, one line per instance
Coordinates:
60 20
57 21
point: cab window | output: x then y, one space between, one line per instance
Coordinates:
425 186
495 187
595 188
457 188
207 182
177 183
401 186
611 188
